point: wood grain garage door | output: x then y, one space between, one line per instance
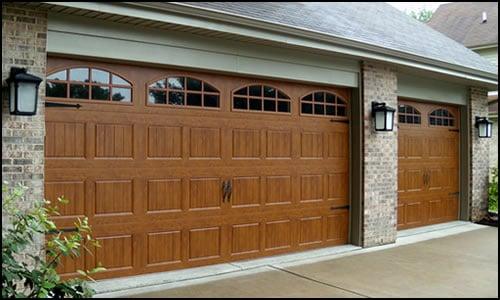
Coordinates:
178 169
428 164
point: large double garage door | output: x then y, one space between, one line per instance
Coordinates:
177 169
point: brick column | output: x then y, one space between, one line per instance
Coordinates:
479 151
380 159
24 38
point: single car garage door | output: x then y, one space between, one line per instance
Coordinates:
428 164
179 168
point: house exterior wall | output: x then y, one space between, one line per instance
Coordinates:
24 36
380 159
479 153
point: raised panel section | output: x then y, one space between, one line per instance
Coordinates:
278 190
279 144
164 247
64 139
205 143
437 209
205 193
114 140
312 144
311 188
338 188
415 146
310 230
414 180
115 252
337 227
113 196
204 243
401 214
164 195
246 143
73 191
246 191
413 213
436 147
436 179
401 181
338 144
68 265
278 234
401 145
164 142
245 238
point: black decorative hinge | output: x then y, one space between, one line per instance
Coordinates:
456 130
55 104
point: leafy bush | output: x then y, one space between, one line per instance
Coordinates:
493 191
39 279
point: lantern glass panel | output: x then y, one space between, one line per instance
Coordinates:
27 96
379 120
388 120
490 126
12 97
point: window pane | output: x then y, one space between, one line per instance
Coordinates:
208 88
319 109
211 100
341 111
402 119
242 91
417 120
61 75
269 105
409 119
160 84
79 91
283 106
194 99
56 90
176 83
176 98
282 95
307 108
255 104
432 121
330 110
330 98
269 92
99 76
439 113
401 109
240 103
157 97
451 122
439 121
79 74
193 84
319 97
307 98
255 90
118 80
100 92
445 122
121 94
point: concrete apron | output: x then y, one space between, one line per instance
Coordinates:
299 272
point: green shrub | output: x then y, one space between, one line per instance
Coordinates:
39 279
493 191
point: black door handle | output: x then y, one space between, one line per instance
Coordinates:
230 190
224 191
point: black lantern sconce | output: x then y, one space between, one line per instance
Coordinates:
484 127
23 92
383 116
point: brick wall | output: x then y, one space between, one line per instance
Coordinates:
479 155
380 159
24 38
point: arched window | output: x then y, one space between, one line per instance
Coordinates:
408 114
441 117
261 98
85 83
183 91
323 103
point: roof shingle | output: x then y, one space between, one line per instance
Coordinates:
374 23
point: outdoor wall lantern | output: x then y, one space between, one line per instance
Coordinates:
23 92
484 127
383 116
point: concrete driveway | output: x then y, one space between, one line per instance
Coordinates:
459 265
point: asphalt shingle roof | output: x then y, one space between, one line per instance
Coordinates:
375 23
462 21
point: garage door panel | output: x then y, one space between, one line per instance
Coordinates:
150 176
73 192
428 170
